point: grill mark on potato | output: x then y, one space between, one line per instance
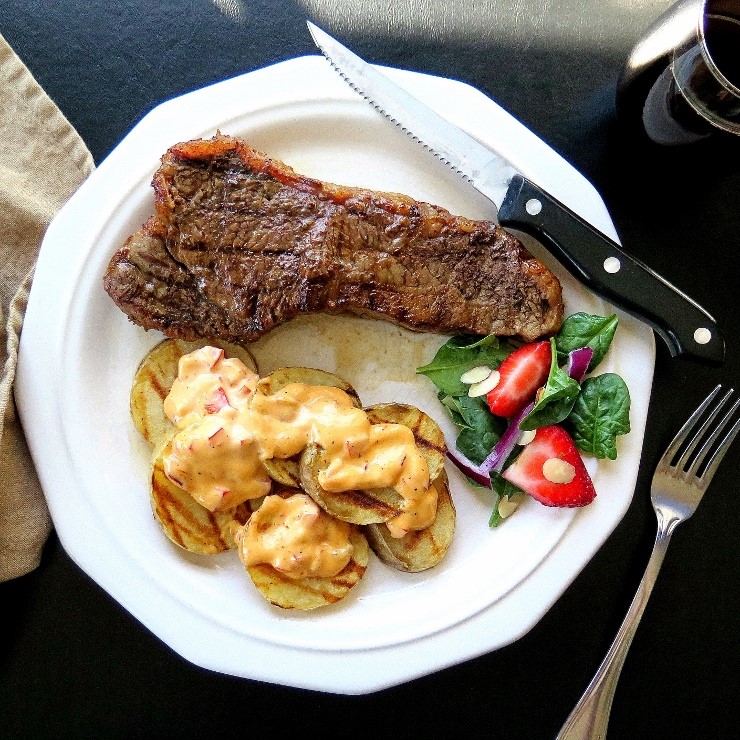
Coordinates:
353 569
321 587
366 501
357 507
188 524
429 445
317 591
421 435
283 471
179 521
162 510
159 389
421 550
423 537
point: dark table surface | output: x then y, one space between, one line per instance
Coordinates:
75 664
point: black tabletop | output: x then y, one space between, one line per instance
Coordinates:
75 664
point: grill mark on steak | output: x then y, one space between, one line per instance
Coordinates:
240 243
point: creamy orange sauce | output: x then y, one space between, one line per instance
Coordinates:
296 537
206 383
298 414
229 423
360 455
216 461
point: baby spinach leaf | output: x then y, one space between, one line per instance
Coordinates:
556 400
600 414
460 354
475 414
475 445
586 330
472 413
453 408
480 428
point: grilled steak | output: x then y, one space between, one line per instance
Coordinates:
241 243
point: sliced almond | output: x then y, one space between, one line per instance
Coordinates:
506 507
509 504
558 471
484 386
475 374
526 437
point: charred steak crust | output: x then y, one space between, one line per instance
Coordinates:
241 243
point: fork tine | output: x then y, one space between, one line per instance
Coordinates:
684 431
720 450
681 462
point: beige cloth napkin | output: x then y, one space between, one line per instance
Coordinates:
42 162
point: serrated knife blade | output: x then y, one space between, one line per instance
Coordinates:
594 259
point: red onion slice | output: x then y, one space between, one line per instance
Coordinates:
470 469
578 362
505 445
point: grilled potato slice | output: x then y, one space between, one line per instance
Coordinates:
311 593
286 472
154 378
358 507
283 376
185 522
417 551
375 505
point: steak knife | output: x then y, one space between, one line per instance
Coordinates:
589 255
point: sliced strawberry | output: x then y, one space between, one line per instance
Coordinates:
552 456
523 372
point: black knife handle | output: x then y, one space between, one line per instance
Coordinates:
597 261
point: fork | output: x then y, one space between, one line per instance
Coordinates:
681 477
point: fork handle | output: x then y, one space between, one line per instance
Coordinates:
590 717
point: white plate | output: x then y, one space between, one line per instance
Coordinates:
79 353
